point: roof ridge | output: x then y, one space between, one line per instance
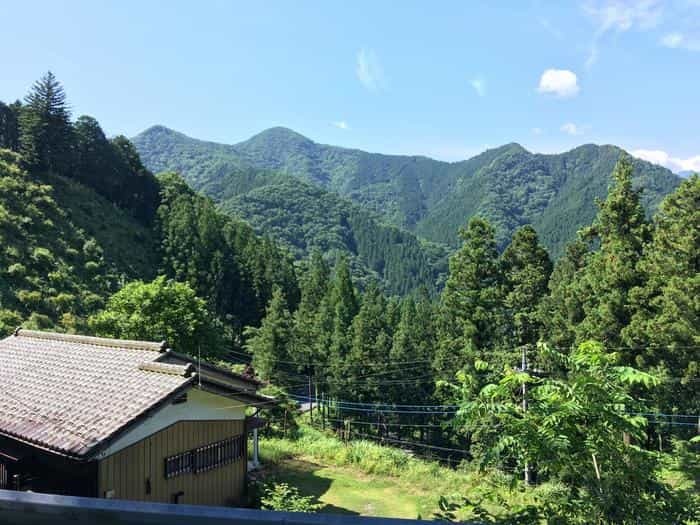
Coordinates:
90 340
166 368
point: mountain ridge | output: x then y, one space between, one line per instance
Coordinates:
509 185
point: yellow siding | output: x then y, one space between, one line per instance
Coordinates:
127 471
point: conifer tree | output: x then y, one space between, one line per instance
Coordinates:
622 232
314 285
666 323
9 126
526 267
413 343
45 129
472 317
370 347
561 311
345 307
270 343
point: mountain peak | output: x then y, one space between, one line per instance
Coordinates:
278 137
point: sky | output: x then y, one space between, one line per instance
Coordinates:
443 79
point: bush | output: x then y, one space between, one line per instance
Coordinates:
281 496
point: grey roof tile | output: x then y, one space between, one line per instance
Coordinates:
69 394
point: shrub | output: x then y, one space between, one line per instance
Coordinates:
281 496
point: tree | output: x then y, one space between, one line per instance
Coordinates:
413 342
344 303
162 310
471 322
526 269
666 319
572 431
612 271
45 130
9 126
370 346
270 344
561 311
314 288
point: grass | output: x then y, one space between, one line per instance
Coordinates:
365 478
344 490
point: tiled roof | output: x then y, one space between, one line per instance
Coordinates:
69 394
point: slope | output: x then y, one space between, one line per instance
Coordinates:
509 185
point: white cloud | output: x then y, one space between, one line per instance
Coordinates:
537 131
560 82
340 124
479 85
678 40
662 158
620 16
369 70
571 129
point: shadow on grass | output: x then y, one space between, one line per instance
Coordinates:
304 475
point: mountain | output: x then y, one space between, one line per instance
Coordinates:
305 217
303 214
509 185
685 174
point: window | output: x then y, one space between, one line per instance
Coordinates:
205 458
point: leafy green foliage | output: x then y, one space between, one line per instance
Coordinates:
281 496
573 431
162 311
50 271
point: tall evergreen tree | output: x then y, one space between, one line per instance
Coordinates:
344 301
270 344
561 311
622 231
370 347
526 268
472 317
9 126
45 129
314 285
666 323
414 344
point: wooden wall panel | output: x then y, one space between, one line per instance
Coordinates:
126 472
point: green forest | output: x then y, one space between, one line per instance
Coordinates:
508 185
557 348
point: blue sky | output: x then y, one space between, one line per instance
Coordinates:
444 79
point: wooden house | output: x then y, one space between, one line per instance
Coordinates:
112 418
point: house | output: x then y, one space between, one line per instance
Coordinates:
110 418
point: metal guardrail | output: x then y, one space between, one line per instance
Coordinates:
27 508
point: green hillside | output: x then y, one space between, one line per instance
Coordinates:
305 218
508 185
64 248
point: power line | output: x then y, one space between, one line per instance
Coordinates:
382 424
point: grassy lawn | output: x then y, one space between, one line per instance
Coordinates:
346 490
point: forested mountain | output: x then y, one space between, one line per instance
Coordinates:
508 185
307 218
302 215
80 217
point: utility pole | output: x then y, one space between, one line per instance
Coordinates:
527 474
311 401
